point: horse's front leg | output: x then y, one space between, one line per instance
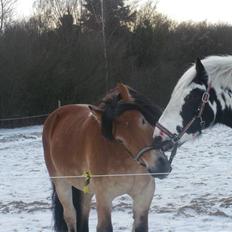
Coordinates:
141 205
104 207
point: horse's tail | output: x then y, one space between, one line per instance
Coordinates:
58 216
82 220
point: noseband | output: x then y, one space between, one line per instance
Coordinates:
135 157
175 138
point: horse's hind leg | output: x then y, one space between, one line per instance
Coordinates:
64 193
141 205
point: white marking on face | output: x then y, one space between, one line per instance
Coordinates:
158 132
171 117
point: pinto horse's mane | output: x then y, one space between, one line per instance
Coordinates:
113 106
219 70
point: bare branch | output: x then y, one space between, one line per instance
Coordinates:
7 8
52 10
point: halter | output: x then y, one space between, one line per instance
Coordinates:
134 157
175 138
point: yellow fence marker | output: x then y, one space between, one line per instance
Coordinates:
88 177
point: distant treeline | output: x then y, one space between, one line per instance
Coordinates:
52 57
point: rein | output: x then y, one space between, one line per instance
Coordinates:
175 138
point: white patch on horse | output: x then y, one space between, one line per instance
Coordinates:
219 72
213 106
170 120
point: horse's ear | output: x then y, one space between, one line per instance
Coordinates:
124 92
96 112
201 77
199 66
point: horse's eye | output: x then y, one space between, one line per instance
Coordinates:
143 121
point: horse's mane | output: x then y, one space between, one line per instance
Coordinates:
219 69
112 106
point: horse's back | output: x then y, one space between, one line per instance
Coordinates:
72 114
63 132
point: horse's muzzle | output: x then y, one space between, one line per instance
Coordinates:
162 167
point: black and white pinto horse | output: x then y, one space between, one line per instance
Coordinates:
201 99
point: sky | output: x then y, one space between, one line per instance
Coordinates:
24 8
181 10
197 10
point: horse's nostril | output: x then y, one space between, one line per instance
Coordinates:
157 142
161 160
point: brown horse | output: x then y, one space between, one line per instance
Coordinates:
102 140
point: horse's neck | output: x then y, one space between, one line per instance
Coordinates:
223 96
226 117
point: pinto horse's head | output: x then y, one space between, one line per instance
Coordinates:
190 109
128 122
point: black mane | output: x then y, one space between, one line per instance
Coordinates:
115 106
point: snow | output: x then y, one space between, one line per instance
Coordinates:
197 195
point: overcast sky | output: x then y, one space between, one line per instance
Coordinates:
197 10
24 8
180 10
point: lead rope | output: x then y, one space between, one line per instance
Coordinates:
173 153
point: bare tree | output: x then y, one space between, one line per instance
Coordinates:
104 46
7 8
51 11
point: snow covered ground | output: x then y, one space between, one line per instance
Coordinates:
197 196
